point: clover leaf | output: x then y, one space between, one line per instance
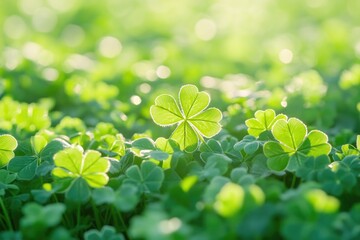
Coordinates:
148 176
193 120
38 220
107 233
7 146
40 163
294 143
89 166
263 121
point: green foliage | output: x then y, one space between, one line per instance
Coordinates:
193 120
81 82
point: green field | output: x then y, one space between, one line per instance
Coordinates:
171 120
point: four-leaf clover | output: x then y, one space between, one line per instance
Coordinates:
193 121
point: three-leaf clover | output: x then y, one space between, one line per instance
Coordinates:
193 121
294 143
263 121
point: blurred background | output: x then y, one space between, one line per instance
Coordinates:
108 60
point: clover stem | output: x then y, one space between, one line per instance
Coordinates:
293 181
96 214
6 214
78 217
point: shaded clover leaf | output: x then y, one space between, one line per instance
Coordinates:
124 199
6 179
38 219
27 167
293 145
106 233
145 147
149 176
193 120
263 121
7 146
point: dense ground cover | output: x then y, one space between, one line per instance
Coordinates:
179 120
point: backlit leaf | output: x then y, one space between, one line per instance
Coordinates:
90 166
263 121
294 145
193 121
7 146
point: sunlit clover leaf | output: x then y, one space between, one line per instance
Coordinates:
294 144
89 166
192 118
7 146
263 121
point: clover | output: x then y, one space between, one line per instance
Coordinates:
294 144
90 166
192 118
76 170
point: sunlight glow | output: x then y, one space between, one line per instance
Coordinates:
163 72
170 226
284 102
135 99
205 29
37 53
144 88
44 19
208 82
50 74
110 47
30 6
73 35
63 5
15 27
77 61
285 56
357 49
12 58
